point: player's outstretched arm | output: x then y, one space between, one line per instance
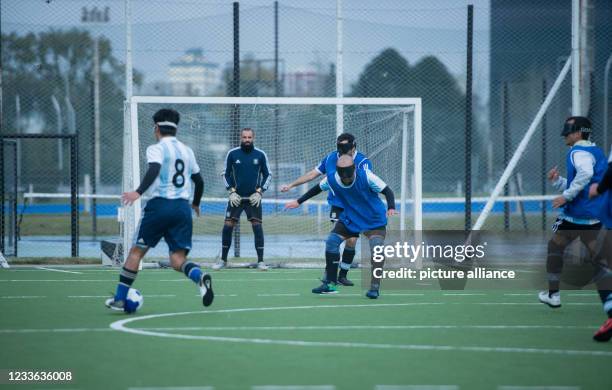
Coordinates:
305 178
390 197
152 172
311 193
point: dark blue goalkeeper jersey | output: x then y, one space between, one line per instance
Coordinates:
246 171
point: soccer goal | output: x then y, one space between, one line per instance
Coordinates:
295 133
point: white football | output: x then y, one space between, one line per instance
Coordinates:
133 301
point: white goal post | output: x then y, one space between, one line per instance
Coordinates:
407 111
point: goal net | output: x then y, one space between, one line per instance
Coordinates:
295 133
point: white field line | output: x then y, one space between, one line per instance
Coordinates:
58 270
416 387
538 388
463 294
108 295
173 388
121 326
533 294
162 280
280 295
328 296
313 327
294 387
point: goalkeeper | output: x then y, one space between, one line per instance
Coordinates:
247 175
345 144
364 212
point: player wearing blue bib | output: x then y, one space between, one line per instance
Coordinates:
167 186
345 144
364 212
580 215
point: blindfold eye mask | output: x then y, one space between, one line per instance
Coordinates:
344 148
346 172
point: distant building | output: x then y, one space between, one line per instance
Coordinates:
193 75
306 81
156 88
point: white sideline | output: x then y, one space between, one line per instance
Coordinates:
120 326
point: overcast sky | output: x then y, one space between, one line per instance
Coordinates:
164 29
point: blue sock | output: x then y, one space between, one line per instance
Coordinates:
192 271
126 278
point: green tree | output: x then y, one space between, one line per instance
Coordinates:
390 75
59 63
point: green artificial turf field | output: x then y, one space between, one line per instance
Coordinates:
265 329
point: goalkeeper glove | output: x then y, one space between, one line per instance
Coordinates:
255 198
234 198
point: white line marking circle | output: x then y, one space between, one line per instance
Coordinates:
120 326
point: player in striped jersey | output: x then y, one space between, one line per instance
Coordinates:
167 186
345 144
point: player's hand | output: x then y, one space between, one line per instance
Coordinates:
292 205
196 209
593 190
234 199
391 212
129 197
255 199
559 201
285 187
553 174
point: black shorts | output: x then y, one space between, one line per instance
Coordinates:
253 212
562 224
340 228
334 213
564 232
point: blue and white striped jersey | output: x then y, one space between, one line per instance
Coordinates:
178 163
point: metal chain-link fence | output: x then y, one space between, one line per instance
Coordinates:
63 65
